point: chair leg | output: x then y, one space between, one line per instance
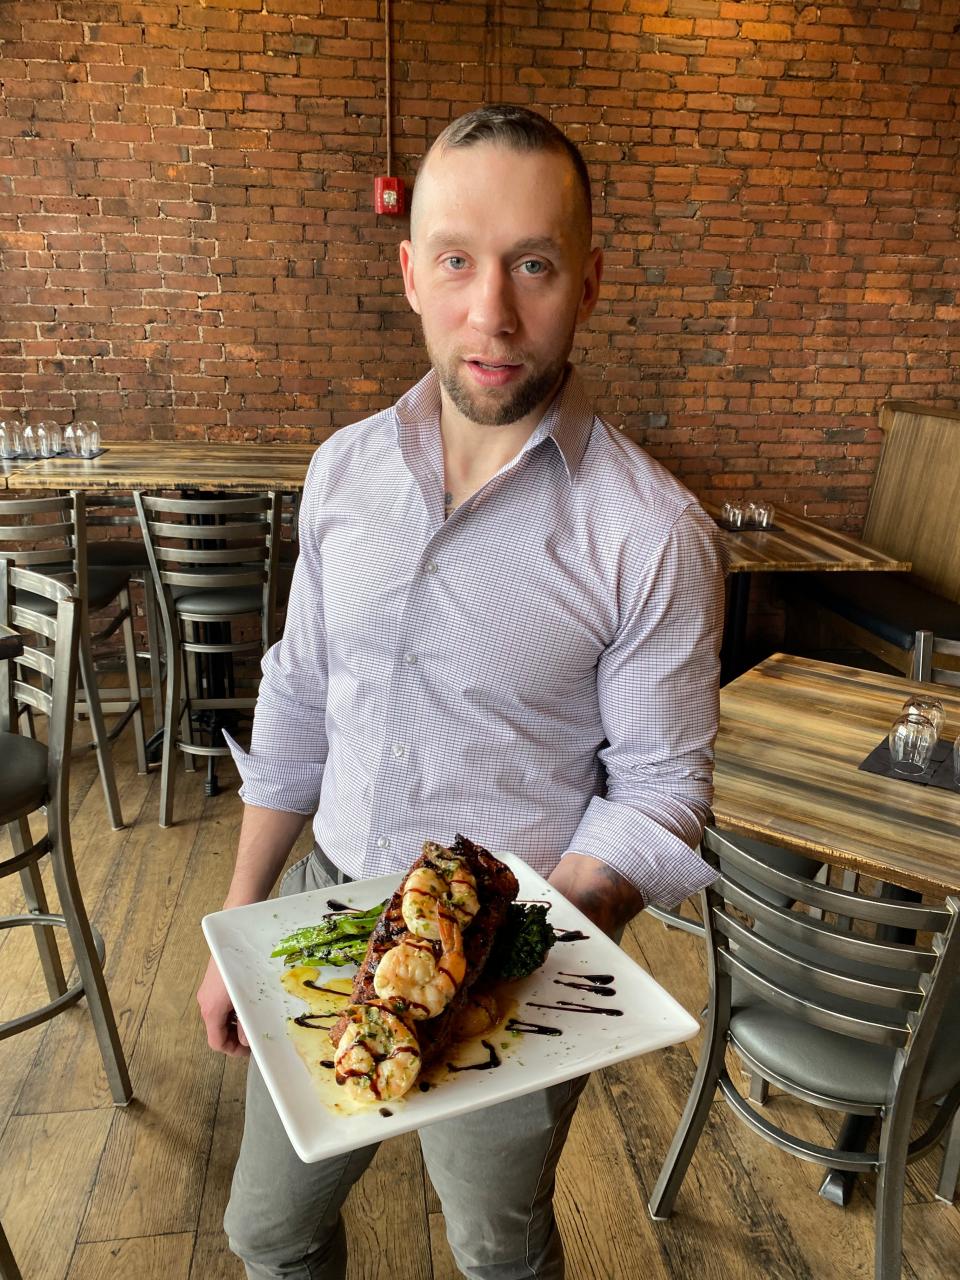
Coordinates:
101 742
185 727
888 1230
88 966
950 1170
36 899
702 1093
153 646
171 727
133 681
759 1089
8 1263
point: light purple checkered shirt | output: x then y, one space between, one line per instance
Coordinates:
538 671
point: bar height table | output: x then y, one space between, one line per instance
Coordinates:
796 544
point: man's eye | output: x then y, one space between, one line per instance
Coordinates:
533 267
455 262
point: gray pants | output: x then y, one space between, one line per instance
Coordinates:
493 1170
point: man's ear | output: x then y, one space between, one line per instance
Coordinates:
406 266
592 275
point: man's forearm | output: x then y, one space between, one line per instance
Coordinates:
601 893
266 838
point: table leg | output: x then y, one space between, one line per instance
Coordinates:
732 650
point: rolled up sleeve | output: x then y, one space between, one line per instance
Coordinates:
658 684
288 746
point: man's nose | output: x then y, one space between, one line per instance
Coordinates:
492 308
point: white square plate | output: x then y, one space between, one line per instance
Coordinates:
241 941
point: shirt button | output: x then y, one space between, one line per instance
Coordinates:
383 842
410 659
432 566
399 750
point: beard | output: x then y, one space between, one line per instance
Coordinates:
485 407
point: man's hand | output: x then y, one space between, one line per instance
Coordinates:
224 1032
600 892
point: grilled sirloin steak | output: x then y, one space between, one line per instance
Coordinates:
496 888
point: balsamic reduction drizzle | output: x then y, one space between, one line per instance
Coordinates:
309 982
329 1063
568 935
307 1020
385 1111
532 1028
492 1061
564 1005
589 982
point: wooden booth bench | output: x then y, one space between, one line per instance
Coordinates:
914 515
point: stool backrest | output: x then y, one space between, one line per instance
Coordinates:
44 677
935 660
211 543
45 534
856 981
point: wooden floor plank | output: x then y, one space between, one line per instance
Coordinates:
155 1161
49 1165
133 907
386 1217
167 1256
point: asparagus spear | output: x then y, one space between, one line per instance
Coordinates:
340 938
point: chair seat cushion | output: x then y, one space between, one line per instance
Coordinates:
23 778
218 602
104 584
893 606
118 551
831 1064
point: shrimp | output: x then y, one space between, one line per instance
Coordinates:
423 892
378 1057
411 980
443 880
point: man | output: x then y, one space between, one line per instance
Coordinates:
504 621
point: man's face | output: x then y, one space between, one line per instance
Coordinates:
500 271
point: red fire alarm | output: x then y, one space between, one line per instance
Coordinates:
388 196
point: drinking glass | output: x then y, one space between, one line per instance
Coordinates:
922 705
732 515
763 515
72 437
48 439
9 440
28 442
912 740
90 441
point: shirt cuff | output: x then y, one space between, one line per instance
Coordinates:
273 783
661 866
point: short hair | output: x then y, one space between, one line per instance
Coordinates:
522 130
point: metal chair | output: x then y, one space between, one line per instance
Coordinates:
837 1018
35 777
214 566
114 513
49 534
929 652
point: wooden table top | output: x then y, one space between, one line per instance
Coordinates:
792 734
11 643
174 464
797 544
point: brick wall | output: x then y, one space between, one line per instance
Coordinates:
188 246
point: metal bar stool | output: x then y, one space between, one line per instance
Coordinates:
35 777
214 567
49 534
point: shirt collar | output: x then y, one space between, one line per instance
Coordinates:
568 420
